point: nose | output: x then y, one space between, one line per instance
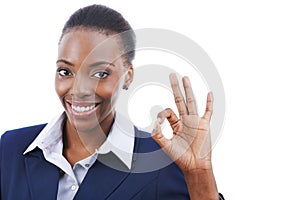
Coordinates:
82 87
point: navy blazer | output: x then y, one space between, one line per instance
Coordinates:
30 176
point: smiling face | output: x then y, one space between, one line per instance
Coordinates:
90 73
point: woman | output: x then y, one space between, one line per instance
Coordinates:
85 153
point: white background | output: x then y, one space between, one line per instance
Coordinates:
255 46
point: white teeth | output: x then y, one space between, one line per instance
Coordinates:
82 109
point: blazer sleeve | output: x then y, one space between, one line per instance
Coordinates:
171 184
1 151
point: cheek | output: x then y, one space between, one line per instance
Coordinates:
108 90
62 86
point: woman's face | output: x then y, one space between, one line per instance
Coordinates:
90 73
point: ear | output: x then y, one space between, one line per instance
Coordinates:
128 77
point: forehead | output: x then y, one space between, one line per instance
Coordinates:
86 45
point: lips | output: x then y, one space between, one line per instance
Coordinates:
81 109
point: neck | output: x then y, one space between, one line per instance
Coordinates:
81 144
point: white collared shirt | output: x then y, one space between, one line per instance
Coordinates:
120 141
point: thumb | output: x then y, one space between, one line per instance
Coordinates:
157 134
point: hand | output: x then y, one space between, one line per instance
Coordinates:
190 146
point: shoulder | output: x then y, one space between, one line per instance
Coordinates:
151 154
144 142
20 138
150 157
25 133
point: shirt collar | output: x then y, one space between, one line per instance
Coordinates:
120 139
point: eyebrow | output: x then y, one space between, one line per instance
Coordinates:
64 61
91 65
101 63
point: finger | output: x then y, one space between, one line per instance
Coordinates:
168 114
158 136
178 97
161 116
190 98
172 119
209 107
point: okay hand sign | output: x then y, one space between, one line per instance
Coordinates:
190 145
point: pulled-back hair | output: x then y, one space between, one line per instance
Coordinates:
106 21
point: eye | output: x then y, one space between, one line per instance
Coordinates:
64 72
101 75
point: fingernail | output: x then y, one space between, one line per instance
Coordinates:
159 120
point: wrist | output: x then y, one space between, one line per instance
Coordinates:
201 167
201 184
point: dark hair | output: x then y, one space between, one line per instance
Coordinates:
107 21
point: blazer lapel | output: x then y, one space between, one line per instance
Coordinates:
103 178
42 176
